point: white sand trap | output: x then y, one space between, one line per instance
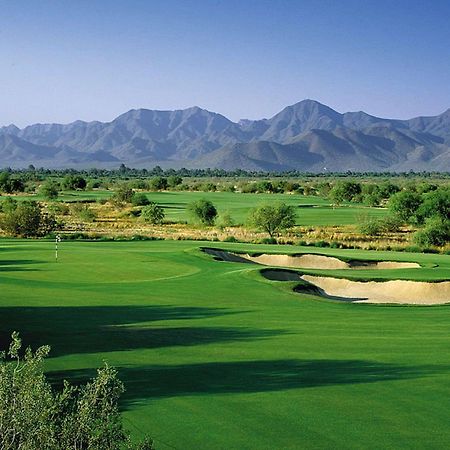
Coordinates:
303 261
392 265
395 291
309 261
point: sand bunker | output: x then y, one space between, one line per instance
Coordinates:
395 291
309 261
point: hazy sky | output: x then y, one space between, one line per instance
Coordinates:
67 60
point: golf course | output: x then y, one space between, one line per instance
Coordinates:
216 355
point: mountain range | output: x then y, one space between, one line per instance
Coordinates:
306 136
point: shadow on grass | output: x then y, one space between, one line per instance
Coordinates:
72 330
151 382
15 265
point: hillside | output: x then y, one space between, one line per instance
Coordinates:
306 136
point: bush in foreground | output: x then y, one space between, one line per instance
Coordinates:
33 416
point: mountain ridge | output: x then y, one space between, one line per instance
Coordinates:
307 135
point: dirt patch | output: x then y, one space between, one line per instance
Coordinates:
394 291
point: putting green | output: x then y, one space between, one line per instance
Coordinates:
215 356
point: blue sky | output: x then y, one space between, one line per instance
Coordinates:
67 60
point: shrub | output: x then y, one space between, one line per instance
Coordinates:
123 194
436 203
139 199
58 208
34 416
28 220
203 211
225 220
230 239
372 226
74 182
50 190
83 212
405 205
345 191
435 232
8 205
153 213
269 240
9 184
174 181
158 183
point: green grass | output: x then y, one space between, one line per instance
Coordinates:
214 356
310 210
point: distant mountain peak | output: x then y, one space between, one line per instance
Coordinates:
307 135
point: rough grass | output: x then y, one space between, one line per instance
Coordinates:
215 356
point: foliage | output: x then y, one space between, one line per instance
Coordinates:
9 184
74 182
8 205
158 183
405 205
123 194
174 181
139 199
50 190
272 217
225 220
203 211
435 232
374 226
28 220
153 213
33 416
83 212
435 204
345 191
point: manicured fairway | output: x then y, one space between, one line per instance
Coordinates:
214 356
311 210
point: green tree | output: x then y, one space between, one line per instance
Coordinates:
33 416
27 219
405 205
50 190
174 181
436 204
74 182
345 191
435 232
123 194
203 211
158 183
5 178
272 217
153 213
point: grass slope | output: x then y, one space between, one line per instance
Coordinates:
215 356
